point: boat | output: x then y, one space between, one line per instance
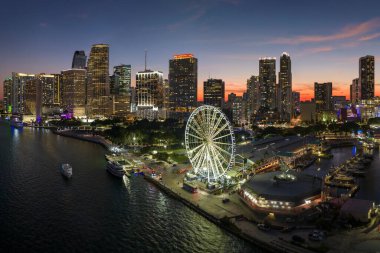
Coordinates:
115 169
66 170
16 121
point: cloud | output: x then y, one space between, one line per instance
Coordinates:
369 37
197 15
347 32
316 50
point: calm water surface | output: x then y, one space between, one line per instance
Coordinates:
40 211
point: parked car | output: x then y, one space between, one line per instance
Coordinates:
263 227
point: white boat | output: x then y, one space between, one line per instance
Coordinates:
115 169
66 170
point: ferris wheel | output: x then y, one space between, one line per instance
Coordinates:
210 142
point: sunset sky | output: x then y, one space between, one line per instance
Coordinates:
324 38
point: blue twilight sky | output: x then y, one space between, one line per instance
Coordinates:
324 38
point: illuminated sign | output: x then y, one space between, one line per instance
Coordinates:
183 56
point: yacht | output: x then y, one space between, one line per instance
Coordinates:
115 169
16 121
66 170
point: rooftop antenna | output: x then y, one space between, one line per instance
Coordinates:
145 57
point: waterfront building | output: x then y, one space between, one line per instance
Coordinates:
74 92
79 60
183 79
294 192
322 96
268 88
367 76
285 87
47 92
213 92
355 91
121 90
98 82
308 111
296 98
19 81
7 95
149 92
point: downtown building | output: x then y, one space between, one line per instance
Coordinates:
99 100
79 60
121 90
322 96
296 100
355 91
17 100
367 77
213 92
7 95
183 79
285 88
268 89
74 93
42 97
253 91
149 93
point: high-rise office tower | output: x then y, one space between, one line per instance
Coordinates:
213 92
367 76
99 100
122 79
79 60
149 89
296 99
285 87
18 84
355 91
268 88
183 78
121 90
237 110
322 96
253 91
7 95
74 92
40 96
166 94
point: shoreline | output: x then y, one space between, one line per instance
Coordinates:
270 246
97 139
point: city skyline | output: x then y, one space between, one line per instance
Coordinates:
323 49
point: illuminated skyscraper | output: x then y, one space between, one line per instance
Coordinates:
296 99
79 60
18 91
367 76
183 78
99 100
268 90
253 91
7 95
322 96
149 89
213 92
121 90
74 91
285 87
355 91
